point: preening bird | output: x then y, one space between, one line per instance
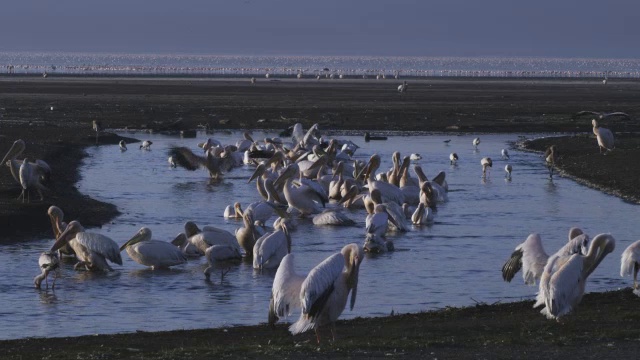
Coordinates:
285 292
604 136
93 250
153 253
630 264
271 248
146 145
324 292
564 278
531 257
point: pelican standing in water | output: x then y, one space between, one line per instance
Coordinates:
531 257
48 261
604 136
93 250
220 254
58 226
630 264
285 292
324 292
153 253
271 248
564 278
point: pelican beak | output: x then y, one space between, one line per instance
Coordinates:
63 239
54 225
289 172
354 289
258 172
179 240
134 240
238 210
15 148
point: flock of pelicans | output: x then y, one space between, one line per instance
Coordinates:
297 179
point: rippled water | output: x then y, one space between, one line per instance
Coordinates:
454 262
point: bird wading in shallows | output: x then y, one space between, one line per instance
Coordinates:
550 158
604 137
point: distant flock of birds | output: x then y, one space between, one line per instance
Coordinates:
298 179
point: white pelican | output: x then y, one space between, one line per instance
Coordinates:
247 235
333 217
602 115
630 263
187 248
10 158
395 211
58 226
208 236
352 198
48 261
485 162
605 137
505 154
29 180
220 254
271 248
233 211
389 192
263 210
285 291
324 292
508 168
564 277
153 253
185 158
531 257
453 158
550 158
146 145
476 142
423 215
123 145
92 250
402 88
303 198
378 222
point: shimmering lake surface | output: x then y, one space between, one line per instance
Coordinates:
454 262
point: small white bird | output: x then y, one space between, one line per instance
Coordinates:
508 169
123 145
485 162
403 87
476 142
253 80
171 161
505 154
415 157
453 158
146 145
48 261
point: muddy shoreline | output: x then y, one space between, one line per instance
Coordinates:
54 118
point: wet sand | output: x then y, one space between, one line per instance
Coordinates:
54 117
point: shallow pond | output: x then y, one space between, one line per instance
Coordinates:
454 262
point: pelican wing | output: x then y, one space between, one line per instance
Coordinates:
605 138
513 265
158 254
630 258
285 292
566 287
185 158
100 244
585 112
313 292
332 217
530 256
269 250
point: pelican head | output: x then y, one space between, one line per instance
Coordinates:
69 233
371 167
179 240
259 171
353 256
55 215
144 234
190 229
16 149
375 244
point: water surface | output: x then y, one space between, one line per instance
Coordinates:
454 262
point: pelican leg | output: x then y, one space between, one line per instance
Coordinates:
333 331
223 273
46 279
317 329
55 277
207 273
79 265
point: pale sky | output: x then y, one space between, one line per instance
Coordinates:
558 28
